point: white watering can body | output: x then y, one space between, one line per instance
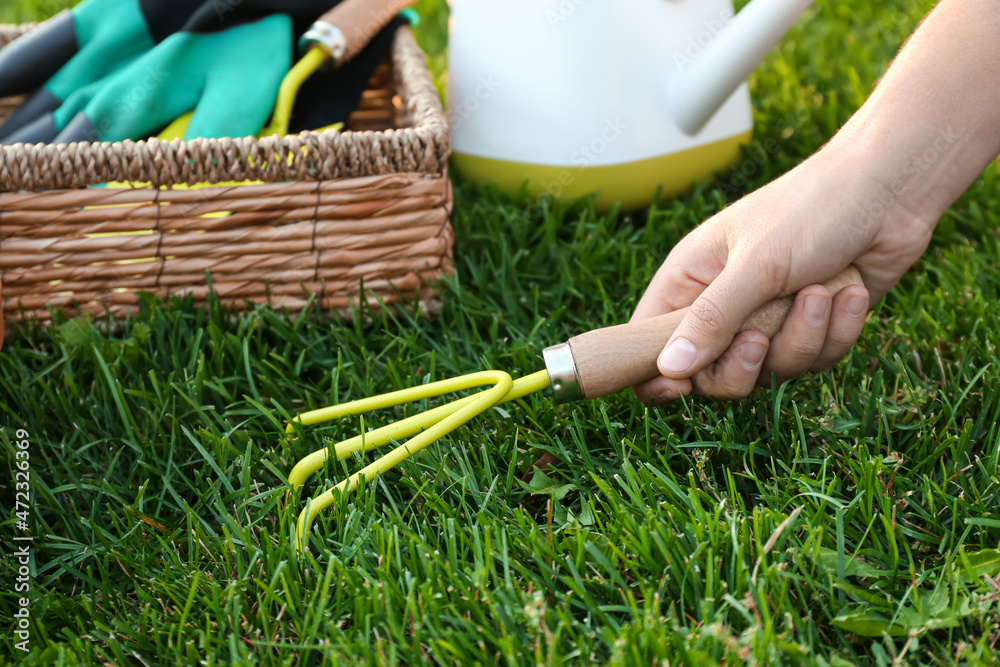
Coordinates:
618 97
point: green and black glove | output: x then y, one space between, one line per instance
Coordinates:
228 78
79 47
225 63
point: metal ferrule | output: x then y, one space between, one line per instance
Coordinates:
327 38
562 372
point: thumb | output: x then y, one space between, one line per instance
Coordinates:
689 269
711 322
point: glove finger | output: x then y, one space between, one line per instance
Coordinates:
28 61
42 130
242 87
138 99
98 37
110 34
37 107
79 128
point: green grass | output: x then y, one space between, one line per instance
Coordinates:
797 527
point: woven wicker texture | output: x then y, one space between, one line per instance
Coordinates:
369 206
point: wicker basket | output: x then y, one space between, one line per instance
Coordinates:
359 214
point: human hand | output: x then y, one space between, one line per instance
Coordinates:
789 236
870 198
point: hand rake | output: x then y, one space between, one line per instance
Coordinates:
591 365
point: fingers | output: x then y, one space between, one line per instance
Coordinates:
818 332
735 374
218 113
661 390
847 320
798 344
670 289
710 324
730 378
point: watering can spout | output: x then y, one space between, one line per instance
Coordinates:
704 85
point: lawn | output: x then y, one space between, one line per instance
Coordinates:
849 517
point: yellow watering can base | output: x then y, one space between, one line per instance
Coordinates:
633 184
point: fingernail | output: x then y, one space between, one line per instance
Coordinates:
679 356
752 355
856 306
667 396
816 308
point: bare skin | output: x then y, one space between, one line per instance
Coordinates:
871 197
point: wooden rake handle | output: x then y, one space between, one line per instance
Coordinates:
615 358
360 20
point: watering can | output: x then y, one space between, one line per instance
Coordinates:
617 97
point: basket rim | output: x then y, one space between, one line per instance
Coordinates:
423 146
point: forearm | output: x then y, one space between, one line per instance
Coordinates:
933 123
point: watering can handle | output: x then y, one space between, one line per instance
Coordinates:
605 361
346 29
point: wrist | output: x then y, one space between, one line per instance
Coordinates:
895 177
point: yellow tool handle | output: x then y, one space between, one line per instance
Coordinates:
615 358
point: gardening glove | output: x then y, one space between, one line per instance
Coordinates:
228 78
225 64
76 48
